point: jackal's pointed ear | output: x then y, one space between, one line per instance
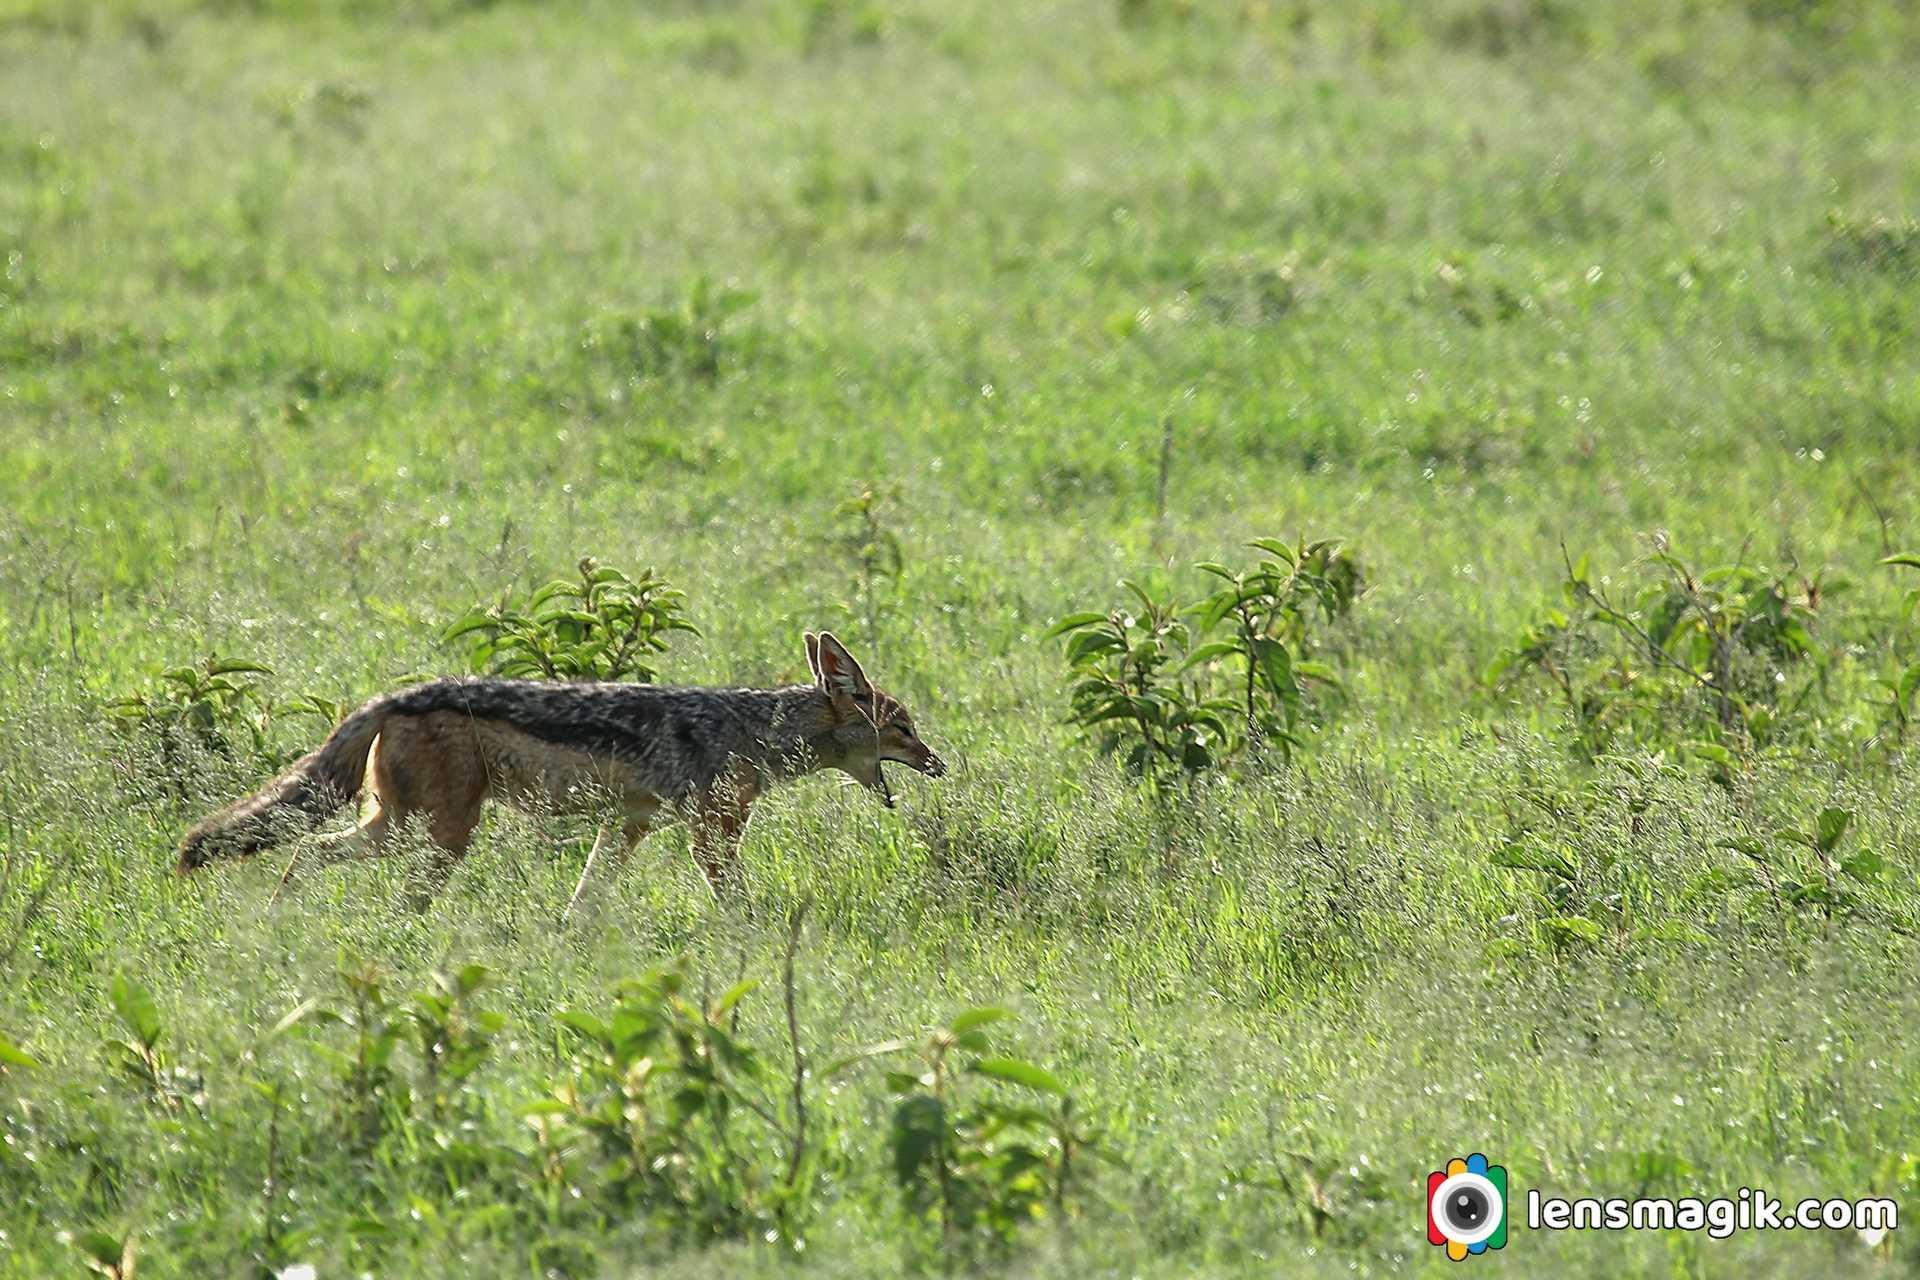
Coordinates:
813 654
839 674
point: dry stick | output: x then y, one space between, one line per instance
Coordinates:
271 1191
1879 513
73 627
1166 471
799 1147
286 874
31 912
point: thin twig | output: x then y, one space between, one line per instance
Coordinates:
799 1145
1879 513
272 1190
1613 615
1166 472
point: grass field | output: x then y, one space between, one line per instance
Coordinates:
322 324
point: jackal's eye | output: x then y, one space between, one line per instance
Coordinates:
900 726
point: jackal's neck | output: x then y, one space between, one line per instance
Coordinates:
795 726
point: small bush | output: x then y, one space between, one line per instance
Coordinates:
973 1161
664 1114
1150 684
1690 656
602 625
1876 244
683 340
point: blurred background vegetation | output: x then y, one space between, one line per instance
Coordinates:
323 325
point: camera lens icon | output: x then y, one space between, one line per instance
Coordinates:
1467 1207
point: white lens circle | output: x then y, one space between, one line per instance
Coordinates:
1468 1182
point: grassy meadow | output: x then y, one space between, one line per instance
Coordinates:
323 324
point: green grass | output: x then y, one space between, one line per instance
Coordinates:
319 324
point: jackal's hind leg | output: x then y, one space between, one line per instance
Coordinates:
604 861
717 827
367 839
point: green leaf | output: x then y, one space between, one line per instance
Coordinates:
1089 643
12 1055
908 1081
1276 665
1018 1072
865 1053
1865 865
584 1024
559 588
1712 751
134 1004
291 1017
1215 607
1576 927
231 666
1832 824
1906 558
974 1041
1274 547
732 996
979 1017
104 1253
1207 653
469 979
1521 856
1139 593
919 1127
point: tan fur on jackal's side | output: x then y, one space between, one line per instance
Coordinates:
648 753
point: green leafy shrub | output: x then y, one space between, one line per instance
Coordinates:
1806 870
683 340
1269 608
1689 652
665 1114
207 707
975 1162
1129 688
873 549
1149 683
138 1056
213 706
601 625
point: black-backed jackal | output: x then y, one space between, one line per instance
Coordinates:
648 753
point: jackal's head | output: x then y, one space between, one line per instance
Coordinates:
867 727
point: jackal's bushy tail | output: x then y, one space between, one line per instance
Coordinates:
315 786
